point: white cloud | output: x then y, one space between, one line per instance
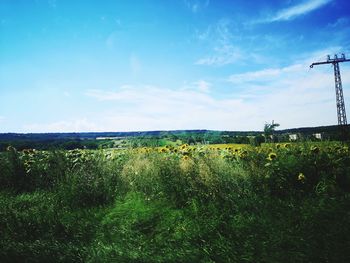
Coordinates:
78 125
297 10
203 85
153 108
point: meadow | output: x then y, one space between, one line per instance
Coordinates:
285 202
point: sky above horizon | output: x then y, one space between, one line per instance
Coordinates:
78 66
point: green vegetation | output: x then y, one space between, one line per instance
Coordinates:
269 130
104 140
214 203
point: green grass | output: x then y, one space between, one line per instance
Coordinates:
185 204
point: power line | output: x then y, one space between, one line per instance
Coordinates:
338 85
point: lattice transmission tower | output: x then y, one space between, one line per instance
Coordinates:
338 85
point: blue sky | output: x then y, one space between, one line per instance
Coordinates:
169 64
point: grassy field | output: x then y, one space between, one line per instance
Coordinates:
212 203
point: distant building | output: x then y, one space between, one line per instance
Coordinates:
293 137
318 136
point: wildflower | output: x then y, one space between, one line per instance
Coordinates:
185 157
11 149
184 146
315 149
286 145
278 146
163 150
272 156
243 154
301 177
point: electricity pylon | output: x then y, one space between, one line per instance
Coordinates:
338 85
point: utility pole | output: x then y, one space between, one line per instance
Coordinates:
338 85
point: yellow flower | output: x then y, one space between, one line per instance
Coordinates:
163 150
272 156
301 177
185 157
11 149
184 146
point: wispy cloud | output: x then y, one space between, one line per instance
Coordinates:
340 22
111 40
223 55
224 51
196 5
135 64
227 42
295 11
203 86
200 86
264 75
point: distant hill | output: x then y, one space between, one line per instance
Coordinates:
89 135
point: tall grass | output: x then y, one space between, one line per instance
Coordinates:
275 203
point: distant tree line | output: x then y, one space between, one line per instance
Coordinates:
69 141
